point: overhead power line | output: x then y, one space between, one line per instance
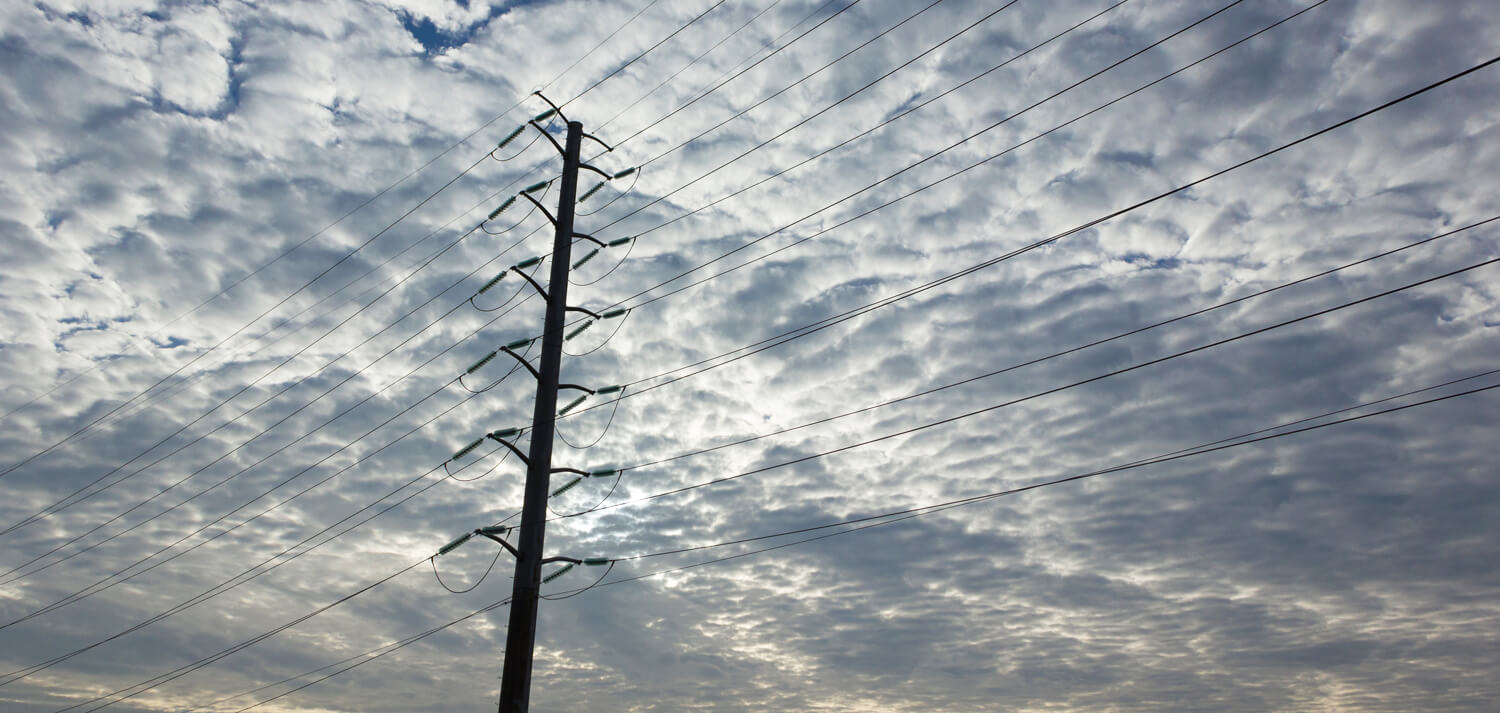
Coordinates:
866 522
1053 390
329 269
986 263
1197 312
1048 357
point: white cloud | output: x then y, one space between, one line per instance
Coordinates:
158 153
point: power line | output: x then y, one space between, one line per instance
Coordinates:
1179 189
255 571
909 167
347 319
352 211
649 50
820 70
1053 390
1305 138
884 519
685 67
820 112
794 333
741 72
330 268
1053 355
63 504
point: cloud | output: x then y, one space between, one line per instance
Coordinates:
157 154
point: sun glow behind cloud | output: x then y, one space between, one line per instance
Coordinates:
158 153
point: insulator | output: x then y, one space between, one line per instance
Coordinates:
520 343
512 136
480 364
591 191
508 202
492 530
493 281
451 546
603 472
567 487
586 258
619 241
465 450
528 262
624 173
595 561
572 405
533 188
577 330
613 313
610 389
506 433
544 115
557 574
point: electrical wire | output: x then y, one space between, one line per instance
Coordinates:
607 495
88 591
1412 95
718 85
352 211
883 123
65 502
255 571
1013 253
256 436
618 326
836 60
865 522
477 582
635 178
595 442
1048 357
908 513
629 248
1009 117
685 67
309 283
649 50
1056 389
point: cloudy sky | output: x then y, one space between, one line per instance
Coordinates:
240 240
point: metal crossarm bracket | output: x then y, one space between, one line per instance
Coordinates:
540 290
503 543
607 176
523 361
511 446
600 141
538 204
591 239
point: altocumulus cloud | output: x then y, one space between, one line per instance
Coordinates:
235 278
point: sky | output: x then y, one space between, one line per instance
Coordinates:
897 272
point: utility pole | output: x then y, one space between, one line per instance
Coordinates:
515 685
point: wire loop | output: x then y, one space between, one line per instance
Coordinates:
557 597
607 424
628 248
635 178
606 339
497 382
